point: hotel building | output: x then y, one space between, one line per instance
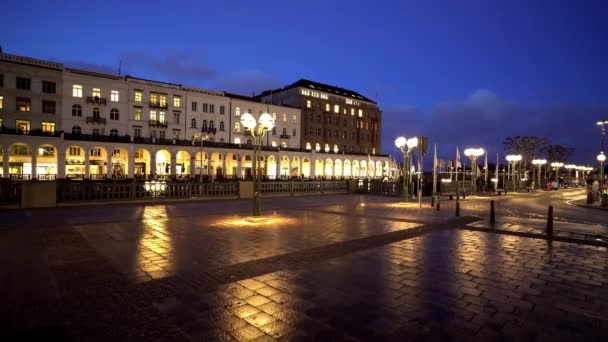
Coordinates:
61 122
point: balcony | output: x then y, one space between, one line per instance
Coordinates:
157 123
96 100
210 130
96 119
158 105
285 136
35 132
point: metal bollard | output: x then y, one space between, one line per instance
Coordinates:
433 200
457 208
492 213
438 206
550 222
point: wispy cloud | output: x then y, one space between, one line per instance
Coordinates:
176 66
246 82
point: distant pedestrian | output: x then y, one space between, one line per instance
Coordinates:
549 185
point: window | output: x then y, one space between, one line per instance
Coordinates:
274 116
284 131
319 118
161 116
308 146
237 140
205 107
177 101
154 98
137 132
161 134
221 125
138 95
76 90
48 107
114 95
360 113
76 130
48 127
294 132
1 101
221 140
114 114
95 132
137 113
237 111
113 132
153 134
24 83
308 104
49 87
318 132
176 134
237 128
249 111
96 152
211 125
116 153
24 104
294 118
222 109
162 100
194 106
96 113
284 117
23 126
74 151
193 123
204 124
318 147
327 107
274 143
96 92
248 141
153 115
337 109
1 80
212 108
176 117
274 130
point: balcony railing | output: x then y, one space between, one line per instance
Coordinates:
98 177
96 119
35 132
285 136
157 123
158 105
210 130
47 176
96 100
20 176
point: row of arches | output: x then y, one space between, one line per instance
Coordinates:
79 161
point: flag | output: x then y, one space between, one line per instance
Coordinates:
435 171
458 164
485 170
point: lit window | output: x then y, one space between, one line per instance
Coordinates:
308 104
237 111
22 126
352 111
308 147
137 113
237 127
76 90
161 116
360 113
177 101
162 100
284 117
327 107
274 144
274 116
318 147
75 151
48 127
1 101
237 140
116 151
114 95
24 104
153 115
337 109
294 118
139 95
153 98
326 147
96 92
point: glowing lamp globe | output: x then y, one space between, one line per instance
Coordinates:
248 121
601 157
266 121
412 142
400 142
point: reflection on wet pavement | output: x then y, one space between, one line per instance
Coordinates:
161 246
445 285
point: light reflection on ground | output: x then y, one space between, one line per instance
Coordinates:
274 220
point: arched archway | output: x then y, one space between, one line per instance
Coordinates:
338 168
319 168
120 162
284 167
356 168
232 163
295 167
74 162
46 165
142 163
19 160
272 167
329 168
216 164
247 169
182 163
306 167
98 162
363 169
346 169
378 168
163 163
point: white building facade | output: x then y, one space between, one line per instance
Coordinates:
106 126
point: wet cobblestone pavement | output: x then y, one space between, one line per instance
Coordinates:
325 269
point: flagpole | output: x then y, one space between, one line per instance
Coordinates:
485 175
496 185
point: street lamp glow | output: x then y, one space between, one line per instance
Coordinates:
513 157
557 164
266 121
406 146
539 162
248 121
601 157
473 154
412 142
400 142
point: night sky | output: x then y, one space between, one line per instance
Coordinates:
461 72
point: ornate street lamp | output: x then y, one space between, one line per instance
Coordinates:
257 130
556 166
406 146
601 158
473 154
570 167
539 163
513 159
202 136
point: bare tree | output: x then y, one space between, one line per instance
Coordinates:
529 147
559 153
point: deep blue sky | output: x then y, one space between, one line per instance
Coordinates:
462 72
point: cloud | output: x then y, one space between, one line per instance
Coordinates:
175 67
246 82
484 119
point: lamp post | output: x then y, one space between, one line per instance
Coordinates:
556 166
257 129
473 154
601 158
406 146
202 136
570 167
539 163
513 159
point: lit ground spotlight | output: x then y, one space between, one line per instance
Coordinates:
253 221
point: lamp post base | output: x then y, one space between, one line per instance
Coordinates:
256 204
